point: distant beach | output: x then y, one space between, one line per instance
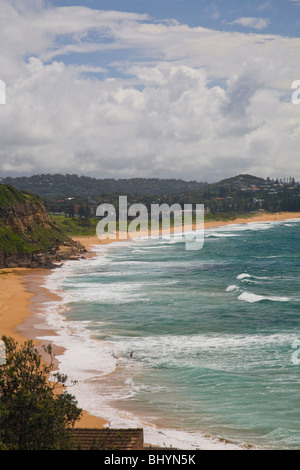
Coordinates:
22 296
89 241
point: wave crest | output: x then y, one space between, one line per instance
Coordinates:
252 298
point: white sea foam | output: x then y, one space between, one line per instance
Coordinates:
243 276
252 298
82 357
90 362
292 220
248 226
93 362
221 235
61 282
261 225
248 277
153 349
231 288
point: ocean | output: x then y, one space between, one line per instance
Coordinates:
200 348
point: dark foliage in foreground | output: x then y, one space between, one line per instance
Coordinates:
35 414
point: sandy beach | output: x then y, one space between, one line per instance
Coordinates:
21 298
21 295
90 241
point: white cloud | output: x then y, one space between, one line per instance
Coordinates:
160 115
252 22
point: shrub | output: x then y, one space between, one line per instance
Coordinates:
34 414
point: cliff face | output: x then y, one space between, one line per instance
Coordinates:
28 235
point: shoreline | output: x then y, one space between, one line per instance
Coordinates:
22 302
90 240
23 297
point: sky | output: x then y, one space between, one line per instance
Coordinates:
190 89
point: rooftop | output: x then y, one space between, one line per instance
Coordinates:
107 439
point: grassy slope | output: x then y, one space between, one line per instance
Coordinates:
10 196
34 239
73 226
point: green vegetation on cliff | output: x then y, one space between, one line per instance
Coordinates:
10 196
25 226
39 239
27 232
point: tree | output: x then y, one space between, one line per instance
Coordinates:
83 211
34 414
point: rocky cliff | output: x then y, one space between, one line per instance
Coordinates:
28 235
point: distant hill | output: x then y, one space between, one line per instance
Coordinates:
242 181
28 235
74 195
50 186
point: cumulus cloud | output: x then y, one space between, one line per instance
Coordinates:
175 101
252 22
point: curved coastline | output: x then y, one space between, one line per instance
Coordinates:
22 297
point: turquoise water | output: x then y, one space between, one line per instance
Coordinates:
212 335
